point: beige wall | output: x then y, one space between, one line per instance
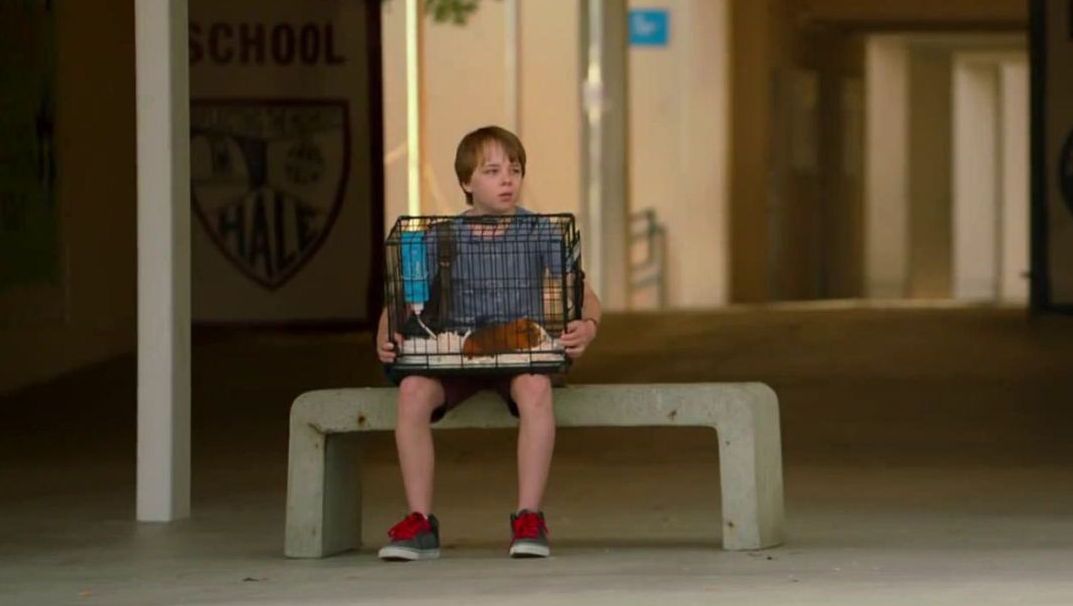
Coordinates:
550 104
990 237
679 105
789 233
464 85
887 170
95 306
464 88
1014 83
929 221
678 143
976 179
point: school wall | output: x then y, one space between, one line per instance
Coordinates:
679 145
464 85
712 138
678 108
90 315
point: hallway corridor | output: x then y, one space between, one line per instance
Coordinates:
927 460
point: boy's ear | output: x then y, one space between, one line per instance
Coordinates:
466 187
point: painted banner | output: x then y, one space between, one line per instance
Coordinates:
283 158
29 218
1052 232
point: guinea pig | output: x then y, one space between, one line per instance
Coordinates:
521 334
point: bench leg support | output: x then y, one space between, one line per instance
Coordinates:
750 463
323 493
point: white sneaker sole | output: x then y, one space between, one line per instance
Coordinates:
401 554
529 550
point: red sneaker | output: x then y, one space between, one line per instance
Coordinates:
414 538
530 535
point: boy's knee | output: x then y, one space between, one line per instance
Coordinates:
419 394
531 390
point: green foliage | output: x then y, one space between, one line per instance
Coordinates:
451 11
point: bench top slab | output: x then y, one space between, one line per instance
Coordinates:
619 405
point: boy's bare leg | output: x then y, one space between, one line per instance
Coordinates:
418 397
536 437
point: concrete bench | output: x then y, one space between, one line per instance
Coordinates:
324 495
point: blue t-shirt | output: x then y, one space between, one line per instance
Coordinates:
499 278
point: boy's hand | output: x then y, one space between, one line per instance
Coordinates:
578 335
386 350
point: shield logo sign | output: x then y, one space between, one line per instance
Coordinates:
267 179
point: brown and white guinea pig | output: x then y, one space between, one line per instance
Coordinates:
519 335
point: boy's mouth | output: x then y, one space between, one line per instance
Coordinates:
505 196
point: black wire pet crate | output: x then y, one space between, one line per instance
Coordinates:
482 294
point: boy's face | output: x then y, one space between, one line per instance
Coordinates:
496 183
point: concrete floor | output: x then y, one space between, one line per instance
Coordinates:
927 453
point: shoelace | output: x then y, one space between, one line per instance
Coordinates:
410 526
529 525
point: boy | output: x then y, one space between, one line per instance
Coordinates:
490 165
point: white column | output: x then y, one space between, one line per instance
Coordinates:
605 178
163 127
592 104
697 221
1013 281
396 161
886 208
976 177
414 153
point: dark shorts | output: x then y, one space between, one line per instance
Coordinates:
457 390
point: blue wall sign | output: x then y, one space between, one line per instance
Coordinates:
650 27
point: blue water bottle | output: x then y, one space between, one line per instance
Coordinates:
414 269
